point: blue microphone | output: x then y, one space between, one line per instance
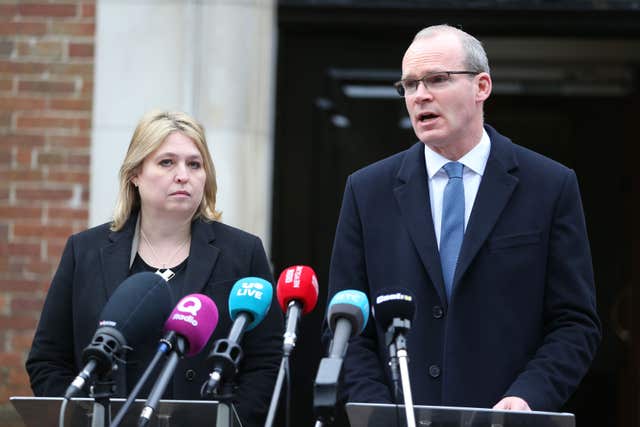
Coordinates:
249 303
347 316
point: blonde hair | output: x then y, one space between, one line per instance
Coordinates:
151 132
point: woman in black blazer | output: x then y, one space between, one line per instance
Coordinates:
165 220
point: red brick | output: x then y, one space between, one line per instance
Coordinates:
10 359
15 322
83 104
54 158
46 50
81 29
6 84
48 10
17 376
21 175
5 118
54 249
75 177
23 285
87 87
4 194
23 156
22 140
83 69
46 86
68 213
23 304
52 122
88 10
48 231
26 67
31 266
42 195
5 156
4 232
22 28
83 50
13 103
21 341
8 10
79 159
69 141
17 249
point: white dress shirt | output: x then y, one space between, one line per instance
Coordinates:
474 163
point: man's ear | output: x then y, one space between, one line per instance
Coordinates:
484 85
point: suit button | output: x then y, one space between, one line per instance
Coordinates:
189 374
434 371
437 312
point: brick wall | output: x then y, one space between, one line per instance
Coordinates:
46 87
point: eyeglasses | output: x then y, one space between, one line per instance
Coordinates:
435 81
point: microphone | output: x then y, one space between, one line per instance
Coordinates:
137 307
188 329
394 310
249 303
297 293
347 316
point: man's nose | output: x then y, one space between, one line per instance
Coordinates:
422 92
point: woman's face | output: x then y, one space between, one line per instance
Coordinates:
171 179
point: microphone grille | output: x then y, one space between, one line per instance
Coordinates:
392 304
195 317
299 283
352 305
251 295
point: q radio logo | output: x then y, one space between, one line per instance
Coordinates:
190 306
251 289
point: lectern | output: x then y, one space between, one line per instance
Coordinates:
386 415
44 411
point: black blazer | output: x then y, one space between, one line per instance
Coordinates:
522 317
96 261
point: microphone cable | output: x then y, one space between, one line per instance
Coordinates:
63 409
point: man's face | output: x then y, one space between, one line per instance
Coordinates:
447 115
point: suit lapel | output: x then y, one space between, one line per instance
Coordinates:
115 256
412 196
202 257
496 188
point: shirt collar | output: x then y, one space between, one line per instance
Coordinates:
475 160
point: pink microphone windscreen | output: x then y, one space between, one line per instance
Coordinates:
194 318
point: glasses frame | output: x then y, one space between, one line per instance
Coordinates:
400 87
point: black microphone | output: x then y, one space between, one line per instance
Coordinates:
394 310
137 307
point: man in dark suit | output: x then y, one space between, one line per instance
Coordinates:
496 254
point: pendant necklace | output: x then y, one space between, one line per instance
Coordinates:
164 272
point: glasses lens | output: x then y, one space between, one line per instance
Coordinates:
436 81
399 88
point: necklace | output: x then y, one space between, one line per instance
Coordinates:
165 272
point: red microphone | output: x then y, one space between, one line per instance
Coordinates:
297 294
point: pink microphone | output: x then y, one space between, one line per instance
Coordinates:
194 318
188 329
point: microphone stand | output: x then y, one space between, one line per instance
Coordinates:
101 392
395 338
